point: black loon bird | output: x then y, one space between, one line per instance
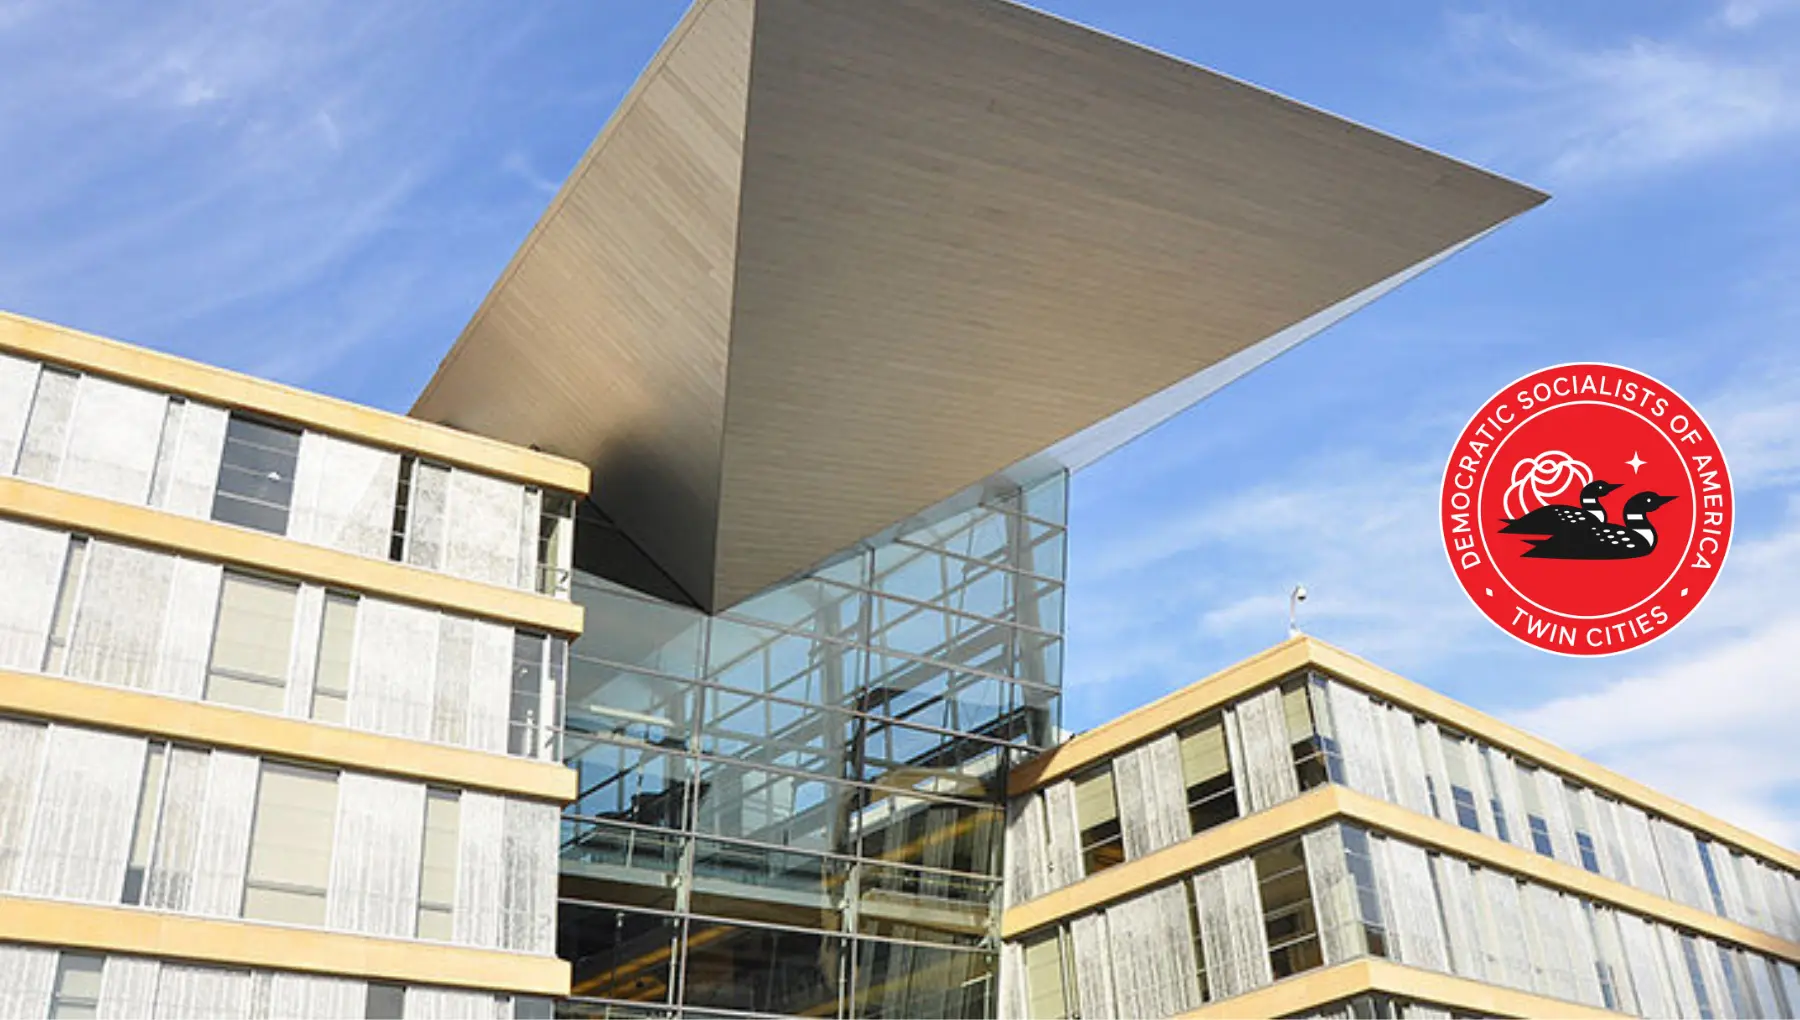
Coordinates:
1551 519
1596 540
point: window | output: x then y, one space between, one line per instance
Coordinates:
1097 813
290 845
527 693
384 1001
63 618
796 973
143 835
1193 912
402 497
1361 865
1370 1007
1316 758
1462 797
77 991
1692 959
1288 917
1734 986
251 642
551 742
1326 727
1584 845
556 523
331 680
1044 978
1712 876
1540 836
1464 802
539 674
437 865
1206 771
256 475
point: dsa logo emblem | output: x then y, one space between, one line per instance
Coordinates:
1586 509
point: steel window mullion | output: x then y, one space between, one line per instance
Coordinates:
842 645
733 922
903 720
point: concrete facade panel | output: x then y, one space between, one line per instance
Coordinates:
18 381
31 561
115 432
344 496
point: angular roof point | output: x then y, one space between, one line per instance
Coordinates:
832 263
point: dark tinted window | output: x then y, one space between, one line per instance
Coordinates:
1585 845
527 689
1368 897
384 1002
1465 809
256 475
1540 835
1289 921
1712 878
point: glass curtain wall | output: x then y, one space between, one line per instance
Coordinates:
796 806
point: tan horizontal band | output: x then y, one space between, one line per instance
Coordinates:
249 944
1235 681
1308 991
1473 846
225 543
1160 716
1326 803
1219 843
155 370
118 708
1437 707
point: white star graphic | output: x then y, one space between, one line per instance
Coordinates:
1635 462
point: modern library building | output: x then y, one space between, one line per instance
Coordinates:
1306 834
693 647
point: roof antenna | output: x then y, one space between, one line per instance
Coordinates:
1295 597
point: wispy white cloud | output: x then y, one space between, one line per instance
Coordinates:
519 165
1714 728
199 153
227 180
1575 114
1759 428
1200 585
1746 14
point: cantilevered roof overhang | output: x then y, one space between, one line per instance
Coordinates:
834 262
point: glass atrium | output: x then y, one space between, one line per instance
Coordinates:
796 806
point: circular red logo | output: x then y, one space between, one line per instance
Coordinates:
1586 509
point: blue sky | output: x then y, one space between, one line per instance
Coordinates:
323 192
